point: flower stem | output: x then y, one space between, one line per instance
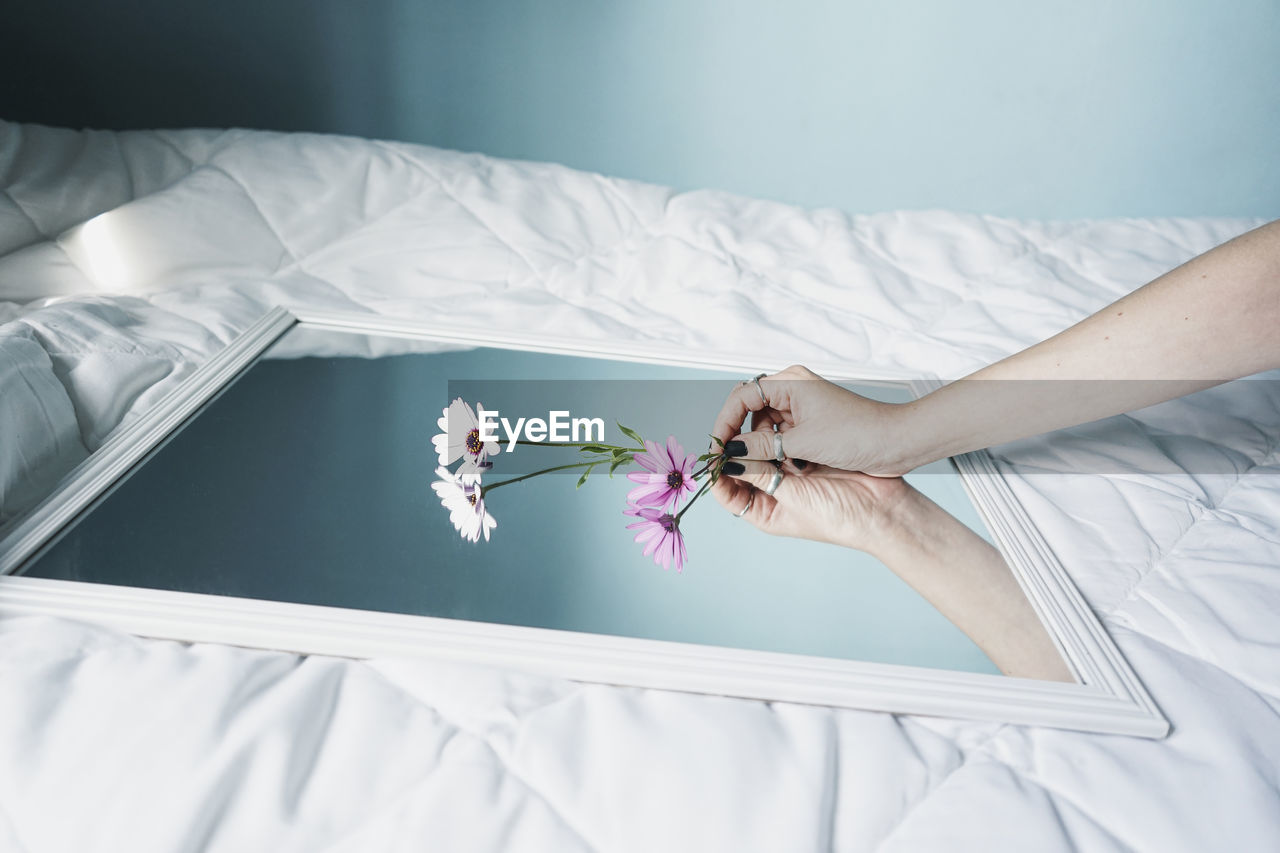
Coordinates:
608 447
484 490
707 467
705 485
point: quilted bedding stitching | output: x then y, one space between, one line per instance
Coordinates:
1204 510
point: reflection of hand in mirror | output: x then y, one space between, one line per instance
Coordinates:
827 505
953 568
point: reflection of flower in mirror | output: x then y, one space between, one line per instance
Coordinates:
471 473
660 533
459 438
667 478
668 481
465 502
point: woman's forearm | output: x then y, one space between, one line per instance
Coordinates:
968 581
1211 320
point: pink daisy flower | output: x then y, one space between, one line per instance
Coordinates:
667 478
660 531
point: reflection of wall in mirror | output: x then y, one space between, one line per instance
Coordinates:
326 463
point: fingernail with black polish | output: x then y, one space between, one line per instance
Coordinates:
735 448
799 463
733 469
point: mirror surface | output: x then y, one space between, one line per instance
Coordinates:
308 479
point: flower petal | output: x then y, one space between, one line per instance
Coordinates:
675 452
656 453
649 532
466 415
646 461
655 495
645 512
668 551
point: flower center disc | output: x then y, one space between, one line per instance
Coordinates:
675 479
473 442
471 498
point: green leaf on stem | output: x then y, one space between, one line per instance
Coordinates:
631 434
583 478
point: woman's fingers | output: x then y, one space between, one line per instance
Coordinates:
733 414
758 474
770 421
766 418
732 494
744 399
741 499
761 444
795 464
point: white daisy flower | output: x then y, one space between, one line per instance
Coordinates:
465 504
470 473
460 437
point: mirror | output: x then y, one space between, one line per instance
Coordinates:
309 480
303 482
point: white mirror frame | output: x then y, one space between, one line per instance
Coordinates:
1109 697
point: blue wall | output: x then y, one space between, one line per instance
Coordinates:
1046 110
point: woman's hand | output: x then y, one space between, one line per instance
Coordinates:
820 423
828 505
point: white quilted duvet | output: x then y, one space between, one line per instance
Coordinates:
127 259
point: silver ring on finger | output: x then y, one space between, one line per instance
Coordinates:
778 453
751 498
774 483
756 379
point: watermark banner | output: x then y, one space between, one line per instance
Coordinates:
1228 429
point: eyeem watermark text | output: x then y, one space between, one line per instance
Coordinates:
558 426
